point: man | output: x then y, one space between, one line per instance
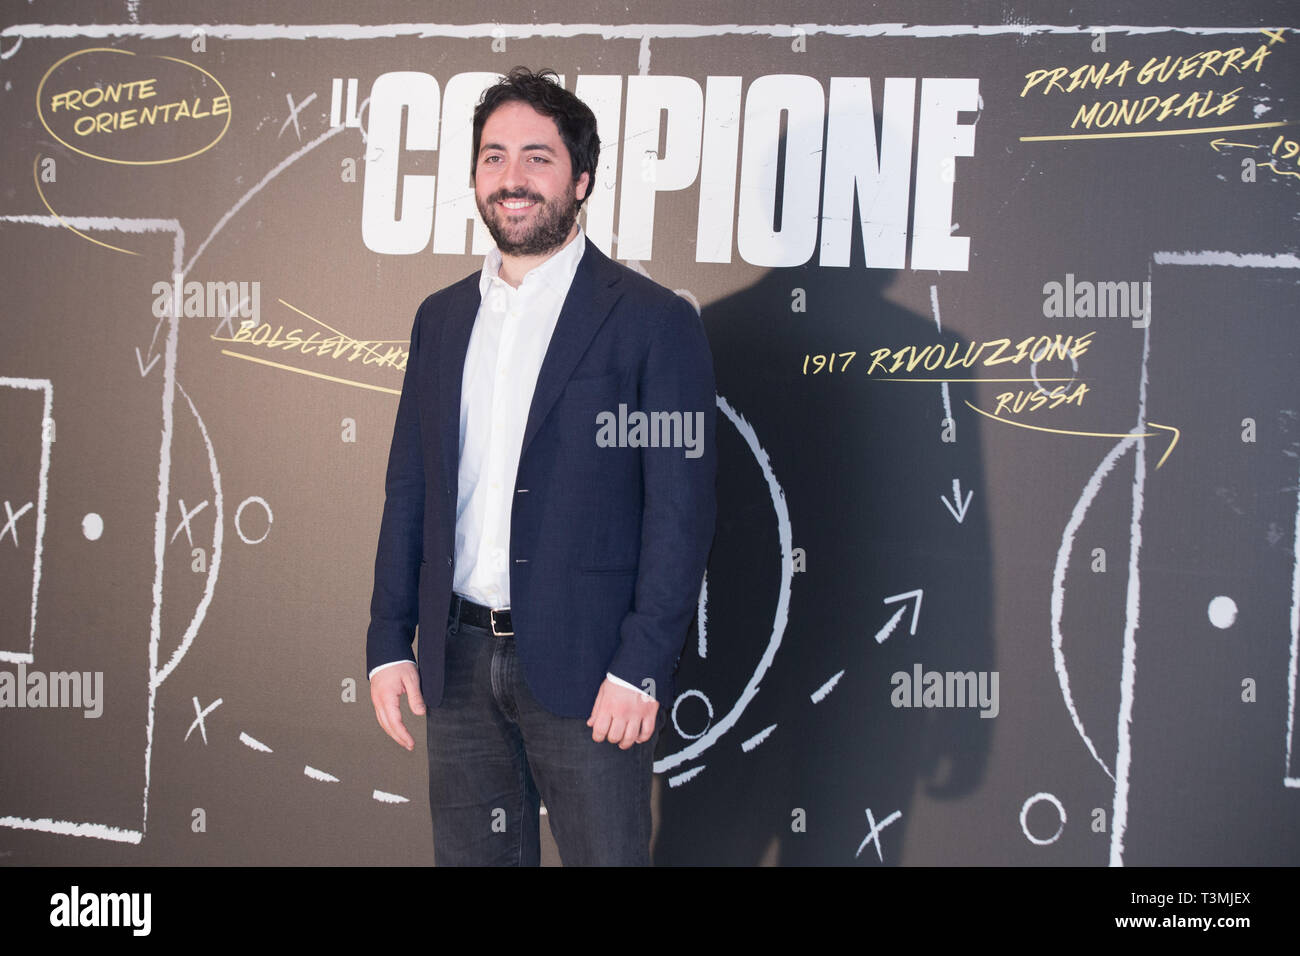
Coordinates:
552 567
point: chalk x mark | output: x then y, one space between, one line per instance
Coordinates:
873 834
202 712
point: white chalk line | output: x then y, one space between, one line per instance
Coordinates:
608 31
1240 260
254 744
681 778
883 634
141 226
138 226
261 184
943 386
781 615
820 693
757 739
1132 608
1287 779
702 618
98 831
1128 670
1077 514
45 386
218 535
321 775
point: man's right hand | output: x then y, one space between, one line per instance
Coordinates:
386 690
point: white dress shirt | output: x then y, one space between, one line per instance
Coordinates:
511 334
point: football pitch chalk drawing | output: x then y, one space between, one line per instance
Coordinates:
1001 307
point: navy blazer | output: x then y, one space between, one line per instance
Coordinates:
607 544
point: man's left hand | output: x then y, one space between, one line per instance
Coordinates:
622 716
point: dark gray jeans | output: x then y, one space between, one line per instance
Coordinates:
495 752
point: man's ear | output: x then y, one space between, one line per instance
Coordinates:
582 183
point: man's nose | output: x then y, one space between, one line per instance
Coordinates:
514 175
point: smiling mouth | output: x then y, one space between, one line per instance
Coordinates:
517 205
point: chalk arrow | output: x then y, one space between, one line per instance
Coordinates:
892 623
1217 144
144 369
957 507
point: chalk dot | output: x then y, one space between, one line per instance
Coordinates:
1223 611
92 526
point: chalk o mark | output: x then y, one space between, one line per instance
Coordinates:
92 526
1223 612
240 510
707 703
1024 814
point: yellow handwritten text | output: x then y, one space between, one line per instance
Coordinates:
150 115
371 352
1155 70
96 95
1022 400
1129 112
933 357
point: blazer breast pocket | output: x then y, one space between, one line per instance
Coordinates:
592 388
582 406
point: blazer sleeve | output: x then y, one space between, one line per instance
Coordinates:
394 604
679 506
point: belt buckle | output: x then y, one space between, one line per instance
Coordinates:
492 616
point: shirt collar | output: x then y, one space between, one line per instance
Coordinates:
556 272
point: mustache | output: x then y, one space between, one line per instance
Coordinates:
503 194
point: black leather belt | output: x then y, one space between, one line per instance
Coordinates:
496 620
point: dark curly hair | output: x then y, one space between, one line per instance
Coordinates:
542 91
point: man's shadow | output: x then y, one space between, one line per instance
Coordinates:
863 464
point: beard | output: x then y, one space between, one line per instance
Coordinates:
550 227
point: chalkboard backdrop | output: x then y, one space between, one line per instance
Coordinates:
1003 312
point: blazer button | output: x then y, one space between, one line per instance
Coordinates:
449 561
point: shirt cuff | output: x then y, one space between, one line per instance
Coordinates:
622 683
382 666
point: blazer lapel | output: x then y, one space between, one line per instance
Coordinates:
596 286
452 347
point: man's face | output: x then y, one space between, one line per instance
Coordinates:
523 182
